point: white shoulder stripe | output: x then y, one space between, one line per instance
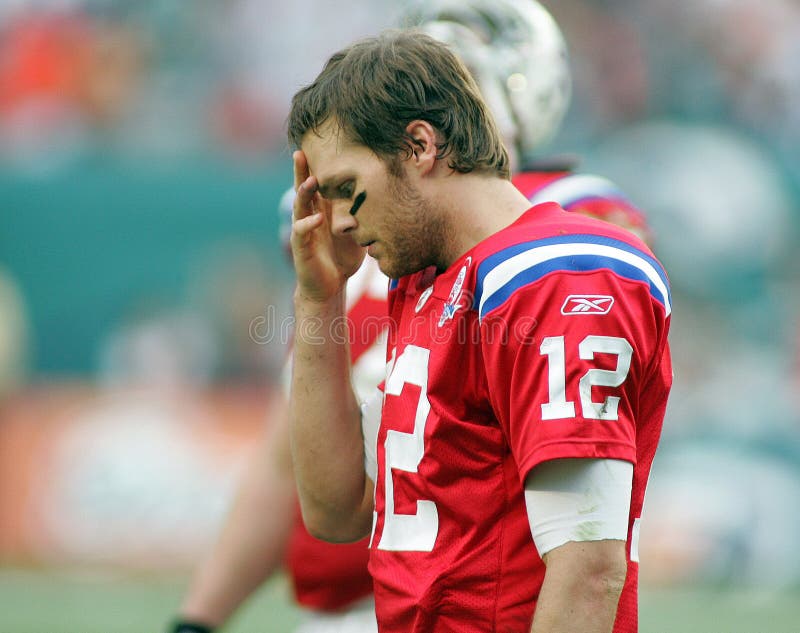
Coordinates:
506 270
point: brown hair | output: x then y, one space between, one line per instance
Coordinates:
374 88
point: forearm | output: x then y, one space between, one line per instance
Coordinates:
581 589
252 542
325 429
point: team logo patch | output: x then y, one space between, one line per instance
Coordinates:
587 304
453 303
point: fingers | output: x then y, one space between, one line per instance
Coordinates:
303 227
300 167
309 211
304 185
304 200
306 218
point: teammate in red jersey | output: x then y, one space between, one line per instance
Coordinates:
528 369
330 580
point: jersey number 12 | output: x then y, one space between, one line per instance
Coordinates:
558 407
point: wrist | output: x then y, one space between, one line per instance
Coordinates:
310 302
309 307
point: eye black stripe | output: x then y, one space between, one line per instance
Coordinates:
358 202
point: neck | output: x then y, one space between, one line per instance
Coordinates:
475 206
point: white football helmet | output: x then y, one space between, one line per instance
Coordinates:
517 55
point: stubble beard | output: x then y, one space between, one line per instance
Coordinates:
416 236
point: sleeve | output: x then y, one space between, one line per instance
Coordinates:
566 358
578 500
370 423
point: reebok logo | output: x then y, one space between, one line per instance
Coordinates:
587 304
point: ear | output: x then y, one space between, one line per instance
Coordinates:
423 145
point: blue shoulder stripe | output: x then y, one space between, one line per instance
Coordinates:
501 274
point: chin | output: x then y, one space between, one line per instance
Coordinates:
394 270
386 268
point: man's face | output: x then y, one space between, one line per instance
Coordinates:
380 210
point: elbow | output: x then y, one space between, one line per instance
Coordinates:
332 533
611 582
333 527
341 516
595 570
318 527
605 575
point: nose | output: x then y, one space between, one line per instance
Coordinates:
342 222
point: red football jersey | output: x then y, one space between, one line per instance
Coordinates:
325 576
547 340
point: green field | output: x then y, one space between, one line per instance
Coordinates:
38 602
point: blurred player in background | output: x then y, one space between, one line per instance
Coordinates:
517 54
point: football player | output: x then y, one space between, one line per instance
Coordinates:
508 448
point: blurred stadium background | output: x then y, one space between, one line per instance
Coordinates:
144 300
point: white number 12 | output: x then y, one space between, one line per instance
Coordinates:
558 406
